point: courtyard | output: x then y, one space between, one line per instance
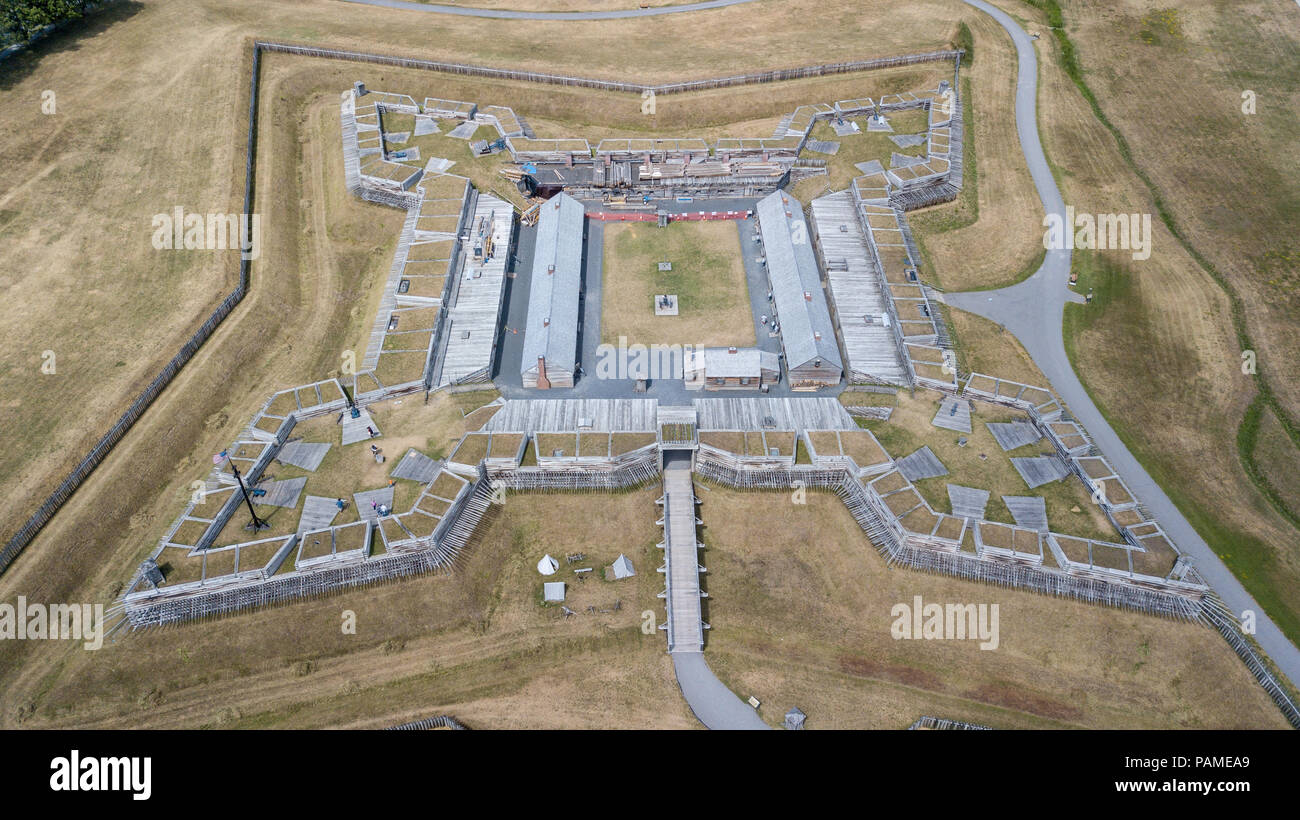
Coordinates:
707 276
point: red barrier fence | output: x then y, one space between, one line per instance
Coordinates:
641 216
628 216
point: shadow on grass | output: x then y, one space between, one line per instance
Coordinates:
66 36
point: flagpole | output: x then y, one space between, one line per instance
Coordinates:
258 523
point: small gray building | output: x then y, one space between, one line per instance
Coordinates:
730 368
551 335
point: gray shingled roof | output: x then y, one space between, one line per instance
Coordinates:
554 296
720 362
792 269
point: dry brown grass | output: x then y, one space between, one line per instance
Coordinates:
985 347
101 167
1003 239
1277 457
1231 180
1158 354
800 621
477 644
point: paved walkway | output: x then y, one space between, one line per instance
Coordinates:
1033 309
505 14
714 704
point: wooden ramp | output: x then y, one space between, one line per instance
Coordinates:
968 502
304 454
1029 511
281 493
1013 435
1040 470
954 414
354 429
921 464
681 561
363 500
415 466
318 513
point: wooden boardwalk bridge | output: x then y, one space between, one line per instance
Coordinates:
681 567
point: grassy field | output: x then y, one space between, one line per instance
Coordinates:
478 644
1160 348
708 277
983 346
991 236
807 623
1277 458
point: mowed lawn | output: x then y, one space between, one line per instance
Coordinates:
707 275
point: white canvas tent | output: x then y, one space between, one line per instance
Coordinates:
548 565
623 568
553 591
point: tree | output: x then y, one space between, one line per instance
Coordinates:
21 20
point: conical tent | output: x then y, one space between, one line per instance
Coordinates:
548 565
794 718
623 567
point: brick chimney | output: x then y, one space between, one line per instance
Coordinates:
543 383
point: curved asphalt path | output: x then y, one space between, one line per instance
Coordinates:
716 706
1033 310
506 14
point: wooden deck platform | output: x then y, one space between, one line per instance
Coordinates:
566 415
773 414
954 414
1029 511
416 466
856 290
477 292
1040 470
304 454
921 464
